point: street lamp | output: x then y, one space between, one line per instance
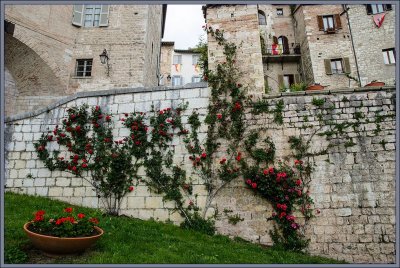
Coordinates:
104 59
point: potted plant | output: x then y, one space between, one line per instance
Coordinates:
315 86
375 83
66 233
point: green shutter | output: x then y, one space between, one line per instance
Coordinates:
297 78
280 80
346 62
104 15
77 15
328 68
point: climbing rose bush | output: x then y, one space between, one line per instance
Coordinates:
285 187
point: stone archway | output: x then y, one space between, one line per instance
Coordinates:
31 82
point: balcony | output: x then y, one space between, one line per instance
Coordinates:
281 54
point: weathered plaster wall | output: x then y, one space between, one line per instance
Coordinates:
353 186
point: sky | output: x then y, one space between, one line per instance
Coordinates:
184 25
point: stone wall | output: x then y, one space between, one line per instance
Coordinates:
369 40
167 49
240 23
353 183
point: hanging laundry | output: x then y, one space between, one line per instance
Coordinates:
197 68
177 67
378 19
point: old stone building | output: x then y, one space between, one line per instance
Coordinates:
53 50
336 46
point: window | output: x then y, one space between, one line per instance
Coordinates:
389 56
375 9
177 59
196 79
337 66
195 59
288 80
90 15
177 80
261 18
329 23
279 11
83 68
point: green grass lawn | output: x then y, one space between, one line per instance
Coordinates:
130 240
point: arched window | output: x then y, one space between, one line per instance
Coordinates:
261 18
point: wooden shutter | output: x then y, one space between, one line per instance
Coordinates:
104 15
280 80
338 23
369 9
77 15
320 23
266 87
388 7
346 63
328 68
297 78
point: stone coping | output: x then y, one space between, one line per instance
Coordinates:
87 94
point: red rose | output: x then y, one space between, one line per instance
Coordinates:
126 114
108 118
265 171
298 182
78 128
74 168
254 185
84 165
283 214
223 160
100 116
50 138
90 151
122 119
248 181
81 215
239 156
284 207
62 135
190 203
68 210
219 116
131 188
203 155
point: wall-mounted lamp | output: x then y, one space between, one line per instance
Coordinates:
104 59
169 78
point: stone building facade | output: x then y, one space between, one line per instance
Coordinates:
333 45
372 42
53 50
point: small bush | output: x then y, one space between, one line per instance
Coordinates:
199 224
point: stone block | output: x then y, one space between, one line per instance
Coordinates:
55 191
42 191
135 202
153 202
146 214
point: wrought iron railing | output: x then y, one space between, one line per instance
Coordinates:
280 50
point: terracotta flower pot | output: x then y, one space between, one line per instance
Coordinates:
314 87
59 245
375 84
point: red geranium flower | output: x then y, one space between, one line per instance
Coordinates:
81 215
68 210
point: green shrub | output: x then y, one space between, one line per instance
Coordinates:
197 223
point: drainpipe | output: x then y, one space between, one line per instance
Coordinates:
345 8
